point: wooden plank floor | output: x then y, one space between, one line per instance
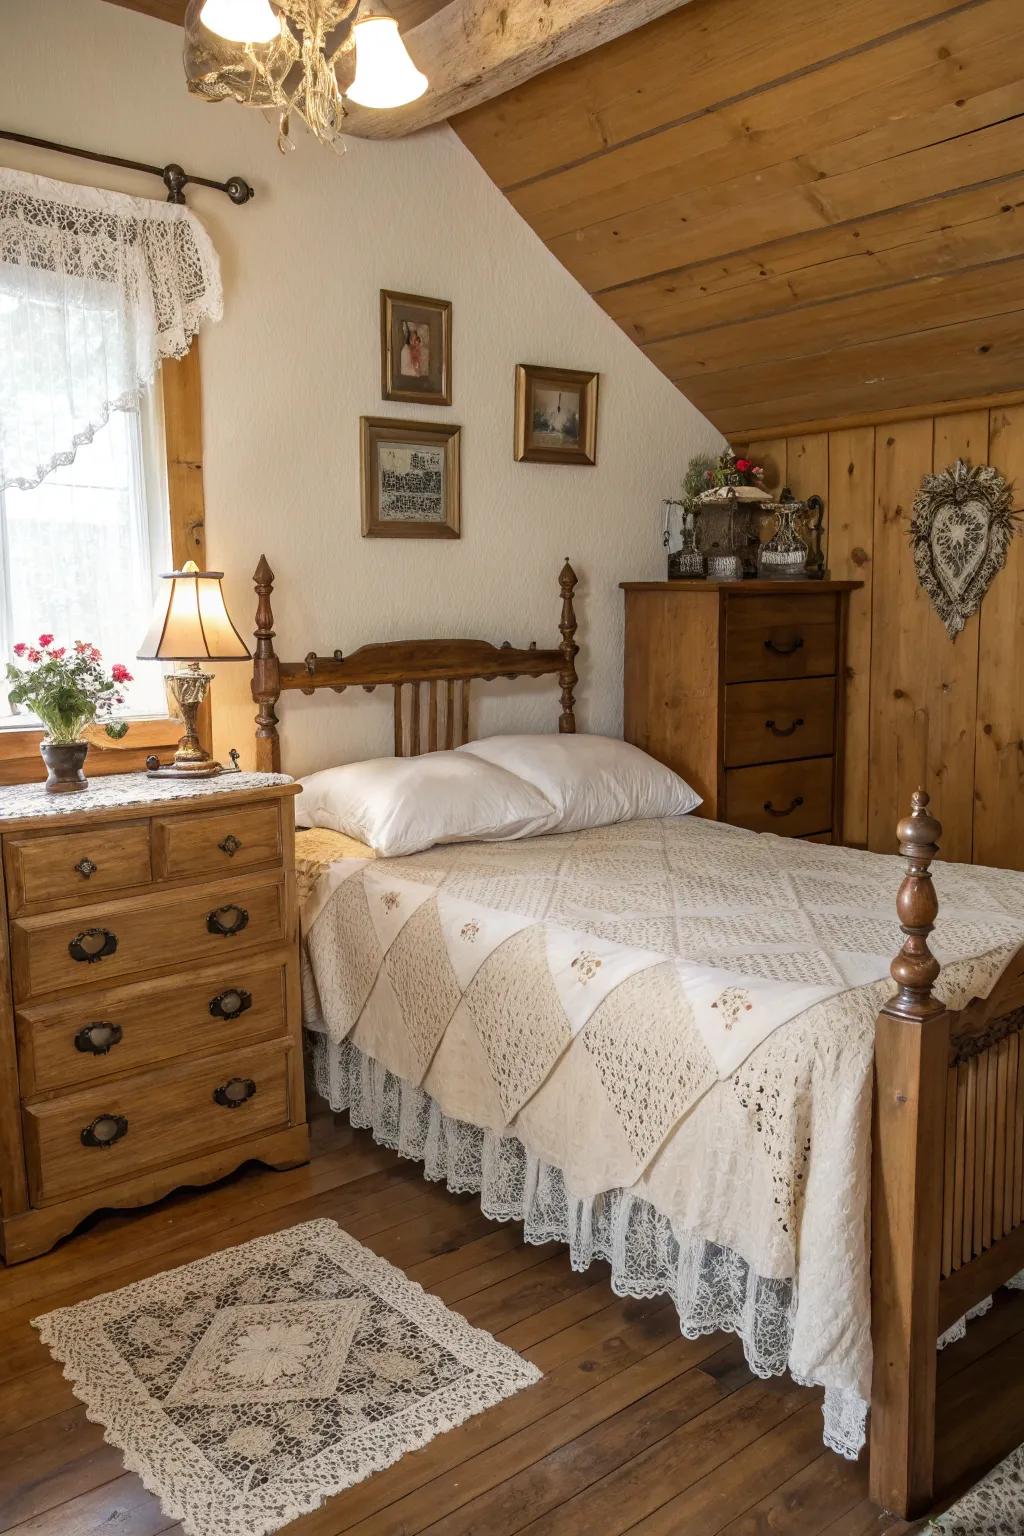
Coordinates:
632 1429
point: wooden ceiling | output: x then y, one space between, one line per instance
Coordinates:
408 13
802 212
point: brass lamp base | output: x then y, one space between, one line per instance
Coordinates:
190 761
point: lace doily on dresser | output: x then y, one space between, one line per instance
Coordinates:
248 1387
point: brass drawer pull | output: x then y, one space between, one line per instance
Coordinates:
785 650
783 730
234 1092
85 868
104 1131
230 845
227 920
99 1038
797 800
230 1004
92 944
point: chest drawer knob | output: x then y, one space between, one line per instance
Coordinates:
793 805
227 920
234 1092
794 645
229 1004
99 1038
104 1131
92 944
86 867
230 845
783 730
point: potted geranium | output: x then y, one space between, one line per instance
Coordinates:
67 690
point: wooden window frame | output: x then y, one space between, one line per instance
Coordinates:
183 433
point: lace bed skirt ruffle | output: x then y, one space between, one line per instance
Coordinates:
713 1288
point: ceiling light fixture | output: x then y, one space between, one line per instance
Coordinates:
294 56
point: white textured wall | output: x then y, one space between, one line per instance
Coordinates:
295 363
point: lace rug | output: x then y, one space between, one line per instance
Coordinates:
994 1507
248 1387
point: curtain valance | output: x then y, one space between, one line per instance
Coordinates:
96 288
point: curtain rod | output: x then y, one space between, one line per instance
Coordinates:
172 176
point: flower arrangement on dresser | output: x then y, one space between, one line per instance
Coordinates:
67 689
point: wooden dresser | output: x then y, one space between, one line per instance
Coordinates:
739 686
150 1031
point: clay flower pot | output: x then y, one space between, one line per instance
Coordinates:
64 760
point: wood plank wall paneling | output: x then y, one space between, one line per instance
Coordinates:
801 213
921 708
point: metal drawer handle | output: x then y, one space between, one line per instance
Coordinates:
99 1038
229 1004
790 808
230 845
104 1131
85 868
227 920
785 650
234 1092
783 730
92 944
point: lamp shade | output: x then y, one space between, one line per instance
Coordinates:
190 620
385 75
241 21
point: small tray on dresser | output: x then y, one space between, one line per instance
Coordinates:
150 1031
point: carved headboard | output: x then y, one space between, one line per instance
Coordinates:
445 669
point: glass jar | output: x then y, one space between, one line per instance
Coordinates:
685 562
784 556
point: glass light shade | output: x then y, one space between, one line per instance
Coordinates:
241 21
190 621
385 75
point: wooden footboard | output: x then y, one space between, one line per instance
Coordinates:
947 1176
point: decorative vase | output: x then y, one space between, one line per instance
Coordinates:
64 761
784 556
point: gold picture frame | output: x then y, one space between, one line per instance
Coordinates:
556 415
410 478
415 348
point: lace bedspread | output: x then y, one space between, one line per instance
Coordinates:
577 1029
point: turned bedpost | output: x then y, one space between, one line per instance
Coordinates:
911 1049
567 678
266 673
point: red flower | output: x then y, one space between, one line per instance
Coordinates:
119 672
35 655
743 465
20 648
57 652
81 646
45 640
94 654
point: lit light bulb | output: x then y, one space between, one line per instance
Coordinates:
241 21
385 74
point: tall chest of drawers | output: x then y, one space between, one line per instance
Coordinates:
739 687
150 1031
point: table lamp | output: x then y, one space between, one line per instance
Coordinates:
191 624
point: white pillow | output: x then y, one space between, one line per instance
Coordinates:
590 780
400 805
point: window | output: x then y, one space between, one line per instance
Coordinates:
81 553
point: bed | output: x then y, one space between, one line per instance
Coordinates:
686 1048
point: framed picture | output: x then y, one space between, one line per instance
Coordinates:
410 474
415 348
556 415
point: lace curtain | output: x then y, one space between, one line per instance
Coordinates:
96 288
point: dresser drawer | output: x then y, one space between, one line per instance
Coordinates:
772 722
779 637
789 798
216 842
96 1034
69 868
118 1129
97 944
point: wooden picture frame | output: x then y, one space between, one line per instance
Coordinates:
538 439
388 447
415 348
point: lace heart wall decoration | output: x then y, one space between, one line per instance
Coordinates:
963 520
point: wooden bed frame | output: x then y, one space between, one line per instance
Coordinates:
947 1210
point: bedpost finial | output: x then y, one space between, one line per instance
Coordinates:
567 678
263 576
919 832
915 969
